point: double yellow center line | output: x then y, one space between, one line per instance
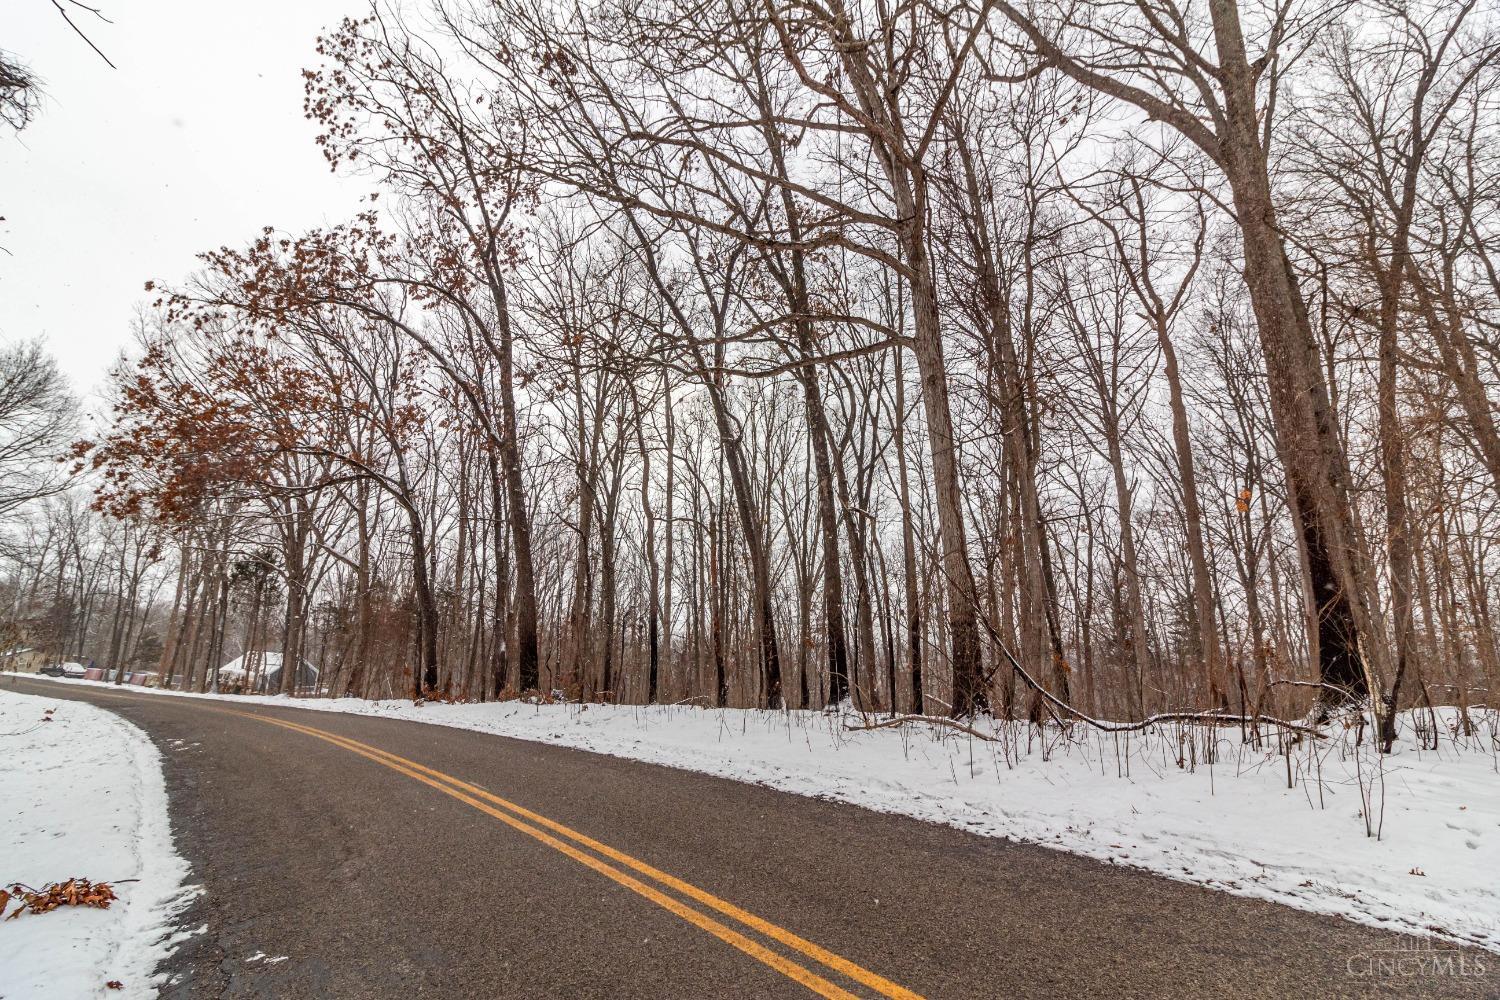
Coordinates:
616 865
646 881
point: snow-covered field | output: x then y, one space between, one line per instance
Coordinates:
83 796
1297 828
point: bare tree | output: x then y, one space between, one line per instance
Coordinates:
38 416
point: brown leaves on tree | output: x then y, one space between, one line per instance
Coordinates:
214 407
73 892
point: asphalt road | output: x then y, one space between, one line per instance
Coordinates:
469 865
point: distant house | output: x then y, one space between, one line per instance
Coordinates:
23 660
259 672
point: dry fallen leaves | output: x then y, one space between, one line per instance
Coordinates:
114 984
73 892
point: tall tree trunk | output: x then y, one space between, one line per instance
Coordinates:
1350 643
1393 447
653 565
669 521
1129 561
969 694
908 548
908 187
171 635
527 661
426 675
298 524
1192 514
1040 623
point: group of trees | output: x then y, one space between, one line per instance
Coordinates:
1126 356
76 586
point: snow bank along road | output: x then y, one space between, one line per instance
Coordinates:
348 856
81 795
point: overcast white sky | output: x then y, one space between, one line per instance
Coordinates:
195 141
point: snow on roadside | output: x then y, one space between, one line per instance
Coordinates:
1233 825
83 795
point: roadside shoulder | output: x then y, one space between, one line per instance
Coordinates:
85 797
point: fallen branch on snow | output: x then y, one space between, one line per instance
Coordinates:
931 720
1215 717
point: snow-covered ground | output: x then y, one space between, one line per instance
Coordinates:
1297 828
83 795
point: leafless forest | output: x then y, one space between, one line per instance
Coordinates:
1097 357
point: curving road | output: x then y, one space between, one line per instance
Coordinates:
396 859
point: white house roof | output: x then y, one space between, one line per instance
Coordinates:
266 662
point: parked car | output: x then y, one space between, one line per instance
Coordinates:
52 670
74 670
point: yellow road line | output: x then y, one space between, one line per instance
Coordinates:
816 952
788 968
471 795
